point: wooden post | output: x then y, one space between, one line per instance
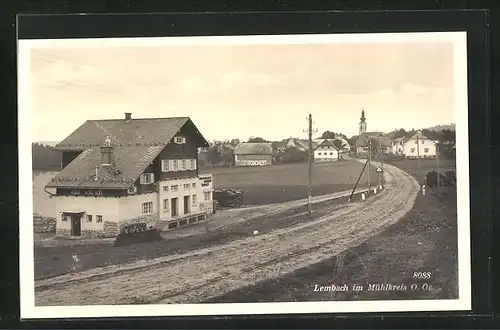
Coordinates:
437 162
418 154
311 158
369 163
357 181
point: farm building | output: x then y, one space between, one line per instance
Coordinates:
419 146
119 172
253 154
397 146
384 143
326 151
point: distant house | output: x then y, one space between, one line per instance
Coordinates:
385 144
397 146
326 151
253 154
302 145
125 171
419 146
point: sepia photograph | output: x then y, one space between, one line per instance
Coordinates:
244 175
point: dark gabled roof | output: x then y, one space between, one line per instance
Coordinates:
141 131
253 149
135 143
128 164
325 142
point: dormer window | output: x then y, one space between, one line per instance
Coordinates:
179 140
132 190
147 178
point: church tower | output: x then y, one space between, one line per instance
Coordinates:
362 123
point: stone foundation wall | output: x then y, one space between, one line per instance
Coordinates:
149 220
43 224
63 232
86 234
110 229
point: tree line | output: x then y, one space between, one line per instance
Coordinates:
44 158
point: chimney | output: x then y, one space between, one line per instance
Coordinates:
106 152
128 117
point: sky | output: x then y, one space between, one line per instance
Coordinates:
239 91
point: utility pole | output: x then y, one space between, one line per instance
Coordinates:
310 132
438 151
418 153
369 163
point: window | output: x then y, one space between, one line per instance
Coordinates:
165 188
206 195
412 150
166 165
193 164
331 153
64 217
194 185
174 187
423 141
183 164
175 165
147 178
319 153
180 140
98 218
165 205
426 150
186 186
195 200
147 208
89 218
132 190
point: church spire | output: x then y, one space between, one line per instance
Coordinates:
362 123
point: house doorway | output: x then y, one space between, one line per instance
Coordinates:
173 202
76 224
186 204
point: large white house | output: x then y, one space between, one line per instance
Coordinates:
118 172
419 146
326 151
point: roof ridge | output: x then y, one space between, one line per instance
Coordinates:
133 119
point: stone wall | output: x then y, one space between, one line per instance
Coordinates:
43 224
112 229
63 232
150 221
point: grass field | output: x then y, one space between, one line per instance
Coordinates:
281 183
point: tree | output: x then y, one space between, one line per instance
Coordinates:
338 144
291 155
234 142
213 155
257 139
376 147
328 135
352 140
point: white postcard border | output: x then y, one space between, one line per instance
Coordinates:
28 308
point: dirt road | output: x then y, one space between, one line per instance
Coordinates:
201 274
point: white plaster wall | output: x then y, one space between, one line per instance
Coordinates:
179 194
105 206
131 206
325 154
421 148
